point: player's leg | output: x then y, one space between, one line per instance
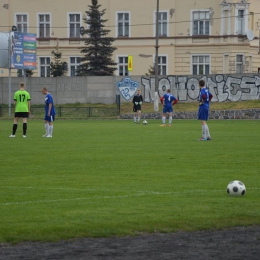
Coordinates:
24 126
15 125
170 118
203 116
46 127
139 116
50 126
164 117
134 110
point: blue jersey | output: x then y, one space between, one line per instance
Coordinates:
168 99
204 98
49 100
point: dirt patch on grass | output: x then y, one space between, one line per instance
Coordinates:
235 243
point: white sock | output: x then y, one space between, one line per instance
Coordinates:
50 129
204 127
163 119
134 118
46 126
170 120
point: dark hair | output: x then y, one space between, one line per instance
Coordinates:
168 91
202 83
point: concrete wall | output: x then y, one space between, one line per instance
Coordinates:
91 90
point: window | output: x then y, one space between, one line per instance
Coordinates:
45 67
240 22
123 24
123 66
162 24
162 65
239 63
74 25
21 23
74 65
201 23
200 65
44 25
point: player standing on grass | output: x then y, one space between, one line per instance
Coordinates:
137 100
22 102
49 113
168 100
203 111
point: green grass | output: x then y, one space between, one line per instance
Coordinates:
113 178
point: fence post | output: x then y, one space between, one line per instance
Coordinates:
118 104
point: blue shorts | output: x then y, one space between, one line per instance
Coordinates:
167 109
203 114
49 118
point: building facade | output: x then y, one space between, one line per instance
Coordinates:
195 37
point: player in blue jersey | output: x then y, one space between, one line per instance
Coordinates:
203 111
168 100
49 113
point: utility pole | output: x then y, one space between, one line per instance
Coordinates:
156 95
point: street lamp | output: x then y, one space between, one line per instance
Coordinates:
156 95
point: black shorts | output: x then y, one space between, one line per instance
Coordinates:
136 108
21 114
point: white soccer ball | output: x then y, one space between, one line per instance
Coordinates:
236 188
145 122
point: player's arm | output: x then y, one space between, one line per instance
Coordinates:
175 102
210 96
29 106
202 100
49 109
162 100
141 100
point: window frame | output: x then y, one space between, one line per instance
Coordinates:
27 22
124 65
199 63
161 24
242 63
45 66
77 65
39 28
160 71
129 24
69 23
204 26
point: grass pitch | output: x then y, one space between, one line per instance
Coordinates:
114 178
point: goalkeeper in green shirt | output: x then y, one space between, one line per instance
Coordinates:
22 108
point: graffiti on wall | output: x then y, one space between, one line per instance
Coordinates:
127 88
222 87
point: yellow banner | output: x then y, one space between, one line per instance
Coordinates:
130 63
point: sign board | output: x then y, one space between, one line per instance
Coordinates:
23 50
130 63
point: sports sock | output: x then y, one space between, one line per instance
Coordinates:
163 119
14 128
134 118
170 120
46 126
24 128
50 130
204 131
138 119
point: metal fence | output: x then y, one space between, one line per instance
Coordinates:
68 112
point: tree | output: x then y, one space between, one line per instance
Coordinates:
58 67
151 71
97 59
